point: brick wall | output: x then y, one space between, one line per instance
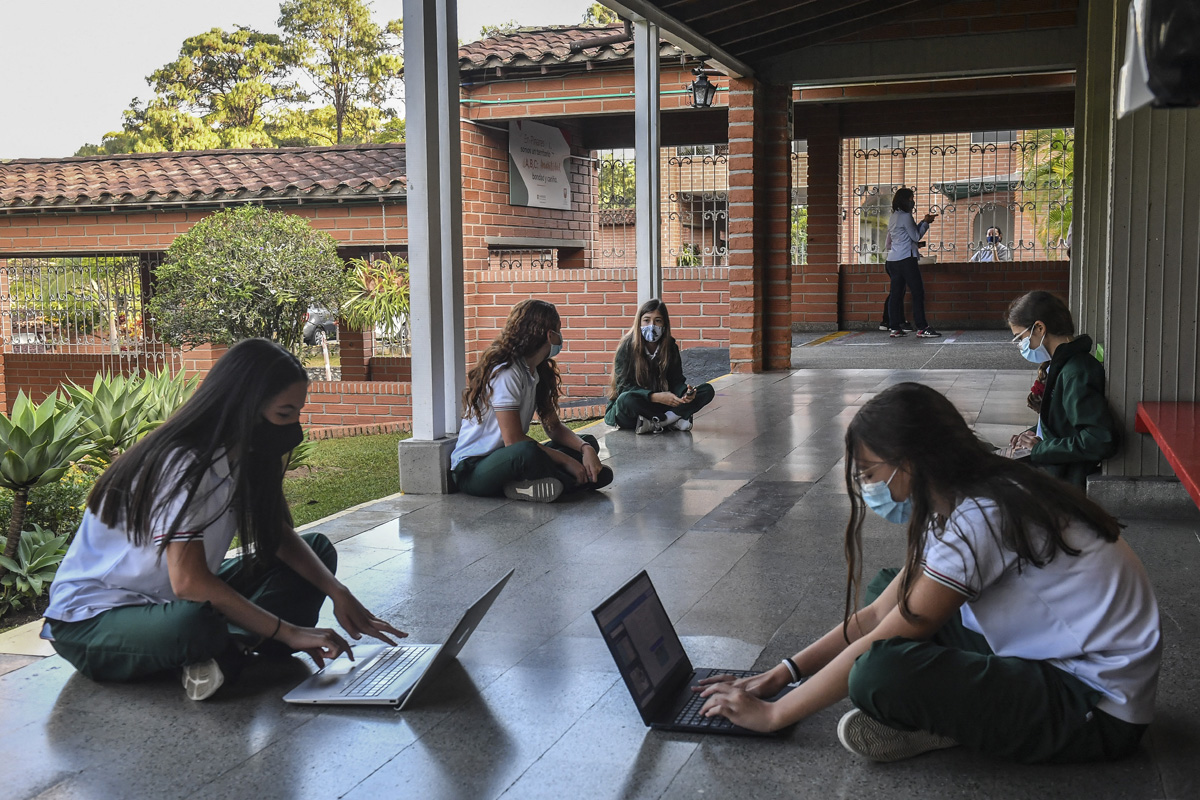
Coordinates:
338 404
597 307
149 231
959 295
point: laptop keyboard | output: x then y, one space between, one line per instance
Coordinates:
690 714
378 676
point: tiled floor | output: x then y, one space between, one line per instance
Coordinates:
740 525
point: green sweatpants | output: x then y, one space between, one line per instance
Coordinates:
130 642
486 476
954 685
631 405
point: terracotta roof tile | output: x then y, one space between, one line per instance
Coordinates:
548 46
204 176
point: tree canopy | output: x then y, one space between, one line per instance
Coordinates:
242 88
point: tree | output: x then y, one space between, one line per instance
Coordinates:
296 127
617 183
503 29
227 79
352 62
599 14
245 272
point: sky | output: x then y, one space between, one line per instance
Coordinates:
70 67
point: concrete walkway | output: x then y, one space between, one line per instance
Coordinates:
739 524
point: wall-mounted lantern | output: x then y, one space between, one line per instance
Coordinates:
703 90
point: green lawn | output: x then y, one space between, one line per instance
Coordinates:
346 472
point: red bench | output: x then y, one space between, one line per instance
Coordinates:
1176 428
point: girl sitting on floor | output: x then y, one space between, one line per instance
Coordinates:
145 586
514 377
1021 626
648 391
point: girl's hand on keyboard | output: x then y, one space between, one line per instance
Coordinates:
738 706
356 620
319 643
764 684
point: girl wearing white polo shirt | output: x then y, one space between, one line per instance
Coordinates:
145 586
1021 625
514 377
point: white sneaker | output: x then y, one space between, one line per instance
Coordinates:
868 737
682 424
202 680
537 490
648 425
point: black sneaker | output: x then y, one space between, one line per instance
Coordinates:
928 333
897 333
908 327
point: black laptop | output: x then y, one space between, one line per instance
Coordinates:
657 671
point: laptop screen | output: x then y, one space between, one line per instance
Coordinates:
642 640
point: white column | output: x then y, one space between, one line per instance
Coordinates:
454 319
646 139
426 275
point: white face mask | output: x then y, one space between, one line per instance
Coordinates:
652 333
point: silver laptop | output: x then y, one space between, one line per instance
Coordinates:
390 675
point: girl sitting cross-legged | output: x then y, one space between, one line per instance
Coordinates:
514 377
1021 625
648 391
145 586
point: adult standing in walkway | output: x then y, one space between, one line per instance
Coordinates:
904 235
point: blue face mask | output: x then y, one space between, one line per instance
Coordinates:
878 498
1035 355
555 349
652 333
993 239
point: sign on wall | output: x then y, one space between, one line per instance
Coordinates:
537 171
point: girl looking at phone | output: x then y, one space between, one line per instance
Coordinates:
649 392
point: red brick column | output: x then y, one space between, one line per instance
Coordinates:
200 359
760 273
356 348
815 292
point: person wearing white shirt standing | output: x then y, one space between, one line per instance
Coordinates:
145 586
1021 626
515 377
993 249
904 237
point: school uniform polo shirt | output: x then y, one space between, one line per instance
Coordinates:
104 570
514 388
1093 615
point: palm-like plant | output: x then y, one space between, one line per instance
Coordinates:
39 443
380 295
1049 166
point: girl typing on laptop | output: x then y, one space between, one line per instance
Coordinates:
145 586
1021 624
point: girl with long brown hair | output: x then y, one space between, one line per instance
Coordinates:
1021 625
515 377
649 392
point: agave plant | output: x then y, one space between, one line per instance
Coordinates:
166 392
36 563
113 414
39 443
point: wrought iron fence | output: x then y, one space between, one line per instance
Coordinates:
93 305
798 245
1018 182
695 206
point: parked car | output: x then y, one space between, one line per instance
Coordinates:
320 320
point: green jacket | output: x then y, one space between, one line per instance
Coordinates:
1078 430
626 378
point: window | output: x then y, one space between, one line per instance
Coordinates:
993 137
697 150
881 142
872 229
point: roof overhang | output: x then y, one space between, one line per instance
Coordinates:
683 36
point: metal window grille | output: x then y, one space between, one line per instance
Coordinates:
798 245
90 305
523 258
1020 182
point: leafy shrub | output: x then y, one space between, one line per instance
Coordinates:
246 272
29 574
379 296
55 506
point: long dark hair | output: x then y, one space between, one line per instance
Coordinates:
914 426
649 372
902 198
170 462
524 332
